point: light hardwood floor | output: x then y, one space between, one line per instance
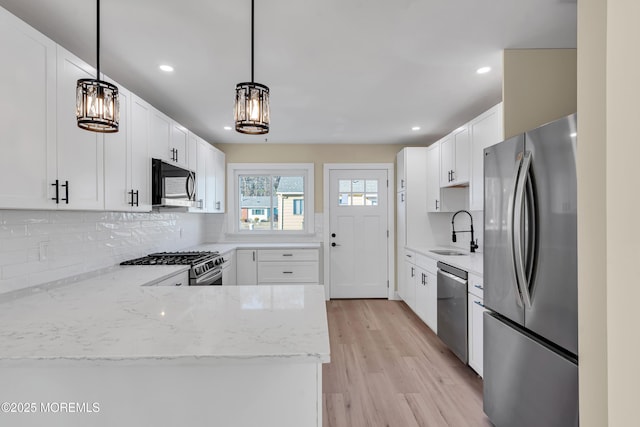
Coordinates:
389 369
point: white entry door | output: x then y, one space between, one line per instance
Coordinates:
358 223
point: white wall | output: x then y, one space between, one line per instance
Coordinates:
80 242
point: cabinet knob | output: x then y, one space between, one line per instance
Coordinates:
333 234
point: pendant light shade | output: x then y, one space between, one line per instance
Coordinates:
252 102
97 102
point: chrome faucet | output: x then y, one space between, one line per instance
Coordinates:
474 242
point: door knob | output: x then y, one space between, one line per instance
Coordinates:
333 234
334 244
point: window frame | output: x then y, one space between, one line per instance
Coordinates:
235 170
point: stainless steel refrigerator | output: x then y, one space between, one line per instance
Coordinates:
530 278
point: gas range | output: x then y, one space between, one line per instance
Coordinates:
206 267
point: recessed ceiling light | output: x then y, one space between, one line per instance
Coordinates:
415 128
166 68
227 128
483 70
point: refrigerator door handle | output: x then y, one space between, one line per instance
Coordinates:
511 224
518 210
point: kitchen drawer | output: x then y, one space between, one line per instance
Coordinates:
287 272
180 279
475 286
426 263
287 255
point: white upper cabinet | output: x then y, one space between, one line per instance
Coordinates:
178 145
434 203
140 159
454 160
220 171
401 172
28 111
485 130
117 156
127 162
48 162
210 177
169 140
79 153
441 199
415 221
160 136
210 180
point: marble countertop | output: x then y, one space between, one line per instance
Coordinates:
114 318
471 263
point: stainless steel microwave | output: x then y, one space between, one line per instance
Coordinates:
172 185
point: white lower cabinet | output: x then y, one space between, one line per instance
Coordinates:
427 291
407 285
246 267
288 266
418 287
229 269
274 266
475 329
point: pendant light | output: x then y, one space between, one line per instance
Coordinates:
252 102
97 102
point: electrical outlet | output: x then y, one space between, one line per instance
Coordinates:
43 251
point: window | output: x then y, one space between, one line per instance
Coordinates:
270 198
358 192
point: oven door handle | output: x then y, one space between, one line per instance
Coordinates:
210 277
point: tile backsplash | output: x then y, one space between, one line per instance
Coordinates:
42 246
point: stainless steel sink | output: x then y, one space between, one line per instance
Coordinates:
448 252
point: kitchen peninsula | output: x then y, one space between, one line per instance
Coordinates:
109 350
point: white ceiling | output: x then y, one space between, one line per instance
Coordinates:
340 71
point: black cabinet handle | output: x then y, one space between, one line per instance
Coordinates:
254 255
412 271
479 303
57 198
66 192
137 198
452 175
287 272
287 254
436 204
130 193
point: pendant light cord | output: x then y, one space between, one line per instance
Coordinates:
98 43
251 40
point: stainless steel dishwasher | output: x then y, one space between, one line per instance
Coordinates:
452 309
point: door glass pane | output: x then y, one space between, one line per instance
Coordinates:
371 199
344 186
344 199
371 186
357 199
357 185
